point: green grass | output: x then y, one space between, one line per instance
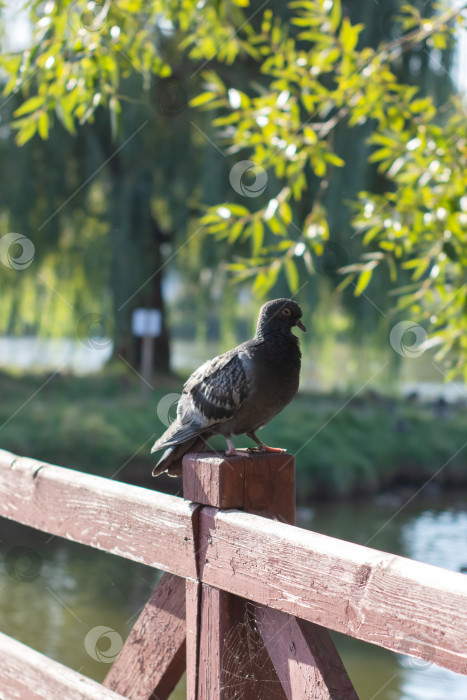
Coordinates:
100 422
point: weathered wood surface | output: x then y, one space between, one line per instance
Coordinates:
390 601
130 521
304 656
214 624
233 662
193 609
387 600
152 660
258 483
26 674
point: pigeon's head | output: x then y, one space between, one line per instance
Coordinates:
280 314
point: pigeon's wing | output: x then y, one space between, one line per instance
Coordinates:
211 396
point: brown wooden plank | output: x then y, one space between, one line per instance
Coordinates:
304 656
25 674
130 521
152 660
233 662
258 483
214 623
381 598
193 608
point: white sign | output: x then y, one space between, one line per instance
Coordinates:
146 322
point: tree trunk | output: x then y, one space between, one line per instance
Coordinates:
136 267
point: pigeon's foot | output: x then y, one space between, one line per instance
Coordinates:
237 453
261 446
231 451
266 448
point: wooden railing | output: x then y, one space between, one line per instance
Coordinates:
231 540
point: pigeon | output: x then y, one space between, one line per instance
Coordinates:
238 392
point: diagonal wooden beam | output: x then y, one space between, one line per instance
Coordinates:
304 656
152 660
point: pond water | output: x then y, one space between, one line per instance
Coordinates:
77 605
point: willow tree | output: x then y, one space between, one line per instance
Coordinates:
289 86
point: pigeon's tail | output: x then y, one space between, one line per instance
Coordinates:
171 460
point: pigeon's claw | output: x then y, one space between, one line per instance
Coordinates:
235 453
273 449
261 446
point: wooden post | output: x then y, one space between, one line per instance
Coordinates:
234 648
263 484
228 660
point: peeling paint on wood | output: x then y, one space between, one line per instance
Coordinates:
304 656
390 601
128 521
26 674
152 660
258 483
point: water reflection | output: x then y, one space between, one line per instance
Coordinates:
78 590
76 604
438 538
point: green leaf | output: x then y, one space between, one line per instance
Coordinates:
203 99
258 236
26 132
349 34
43 125
336 14
65 117
115 117
265 280
30 105
334 160
286 212
363 281
237 209
291 274
235 231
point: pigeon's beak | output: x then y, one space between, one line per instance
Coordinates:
301 326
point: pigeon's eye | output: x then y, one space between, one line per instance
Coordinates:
286 312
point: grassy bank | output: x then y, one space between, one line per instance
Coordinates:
103 425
